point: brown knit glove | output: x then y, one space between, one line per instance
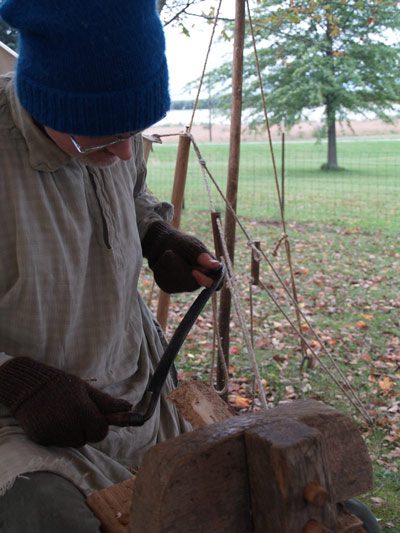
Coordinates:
55 408
172 255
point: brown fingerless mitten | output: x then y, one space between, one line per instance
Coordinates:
55 408
172 255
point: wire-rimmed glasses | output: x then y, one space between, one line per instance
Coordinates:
90 149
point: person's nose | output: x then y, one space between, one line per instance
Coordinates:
123 149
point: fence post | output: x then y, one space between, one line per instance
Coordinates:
178 191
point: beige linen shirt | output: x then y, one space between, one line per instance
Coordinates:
70 261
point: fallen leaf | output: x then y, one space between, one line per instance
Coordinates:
377 502
365 357
361 324
241 401
385 383
368 317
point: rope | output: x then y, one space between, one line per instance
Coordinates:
355 400
221 358
204 67
279 192
230 278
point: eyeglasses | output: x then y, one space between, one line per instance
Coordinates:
90 149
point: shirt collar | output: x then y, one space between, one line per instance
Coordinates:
44 154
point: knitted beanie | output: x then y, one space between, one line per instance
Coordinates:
90 67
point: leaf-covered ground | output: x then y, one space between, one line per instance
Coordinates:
348 285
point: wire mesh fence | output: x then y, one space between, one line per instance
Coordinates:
363 193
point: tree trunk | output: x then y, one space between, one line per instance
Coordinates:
233 180
330 109
331 127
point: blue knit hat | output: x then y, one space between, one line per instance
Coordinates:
90 67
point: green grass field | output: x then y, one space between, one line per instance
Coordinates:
365 195
343 229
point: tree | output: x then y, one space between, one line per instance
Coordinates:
316 53
172 12
8 35
176 12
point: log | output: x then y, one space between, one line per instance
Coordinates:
199 482
199 404
195 485
291 464
348 458
112 506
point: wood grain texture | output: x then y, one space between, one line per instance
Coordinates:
288 466
284 456
199 404
113 506
347 454
195 485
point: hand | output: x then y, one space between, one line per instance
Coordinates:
207 262
173 256
55 408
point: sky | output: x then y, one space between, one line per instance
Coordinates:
186 55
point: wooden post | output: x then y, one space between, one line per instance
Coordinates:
233 176
255 264
215 216
182 161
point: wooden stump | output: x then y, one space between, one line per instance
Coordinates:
279 471
253 474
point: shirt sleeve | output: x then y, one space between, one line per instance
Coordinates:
148 208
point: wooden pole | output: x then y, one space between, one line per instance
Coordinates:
233 176
255 264
178 191
215 217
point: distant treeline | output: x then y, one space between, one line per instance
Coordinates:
188 104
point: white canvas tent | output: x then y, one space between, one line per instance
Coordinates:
7 58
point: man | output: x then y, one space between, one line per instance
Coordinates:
76 340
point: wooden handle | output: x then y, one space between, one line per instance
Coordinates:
122 419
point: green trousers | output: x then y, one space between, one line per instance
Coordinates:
42 502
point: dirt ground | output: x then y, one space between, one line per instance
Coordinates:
305 130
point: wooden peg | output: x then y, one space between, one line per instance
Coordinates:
217 237
315 494
255 264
